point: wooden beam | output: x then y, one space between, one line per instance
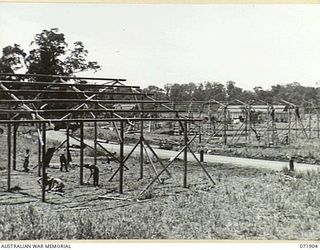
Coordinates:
50 121
51 91
78 101
63 77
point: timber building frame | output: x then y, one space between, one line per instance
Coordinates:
24 100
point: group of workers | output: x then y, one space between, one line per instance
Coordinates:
52 184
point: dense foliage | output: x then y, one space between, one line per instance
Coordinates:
292 92
49 54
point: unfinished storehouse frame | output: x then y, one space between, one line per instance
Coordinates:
279 122
34 103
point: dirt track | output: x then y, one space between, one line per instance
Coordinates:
167 154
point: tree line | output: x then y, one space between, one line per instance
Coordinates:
229 92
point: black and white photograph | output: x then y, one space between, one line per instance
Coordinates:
178 122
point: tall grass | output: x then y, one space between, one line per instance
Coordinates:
243 205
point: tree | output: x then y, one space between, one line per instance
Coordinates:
233 92
50 55
158 93
214 90
12 59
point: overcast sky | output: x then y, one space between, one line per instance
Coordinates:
253 45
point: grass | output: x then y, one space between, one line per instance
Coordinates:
245 204
248 204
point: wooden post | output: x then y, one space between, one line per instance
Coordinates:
289 124
43 162
310 126
121 157
291 164
95 142
268 126
246 125
81 152
249 124
225 128
200 126
273 130
296 124
201 155
318 127
9 157
141 145
15 129
39 153
68 144
141 150
185 158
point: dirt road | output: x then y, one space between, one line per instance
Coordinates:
167 154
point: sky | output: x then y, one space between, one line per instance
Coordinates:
155 44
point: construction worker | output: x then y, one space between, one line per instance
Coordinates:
26 160
94 171
63 160
272 113
51 184
57 185
48 182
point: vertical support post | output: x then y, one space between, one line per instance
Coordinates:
15 129
68 144
310 126
39 152
201 155
141 144
296 124
249 124
268 126
318 127
289 124
95 142
225 125
291 164
185 158
273 130
200 131
9 157
43 162
121 159
246 126
81 152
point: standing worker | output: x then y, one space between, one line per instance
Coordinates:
26 160
63 160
